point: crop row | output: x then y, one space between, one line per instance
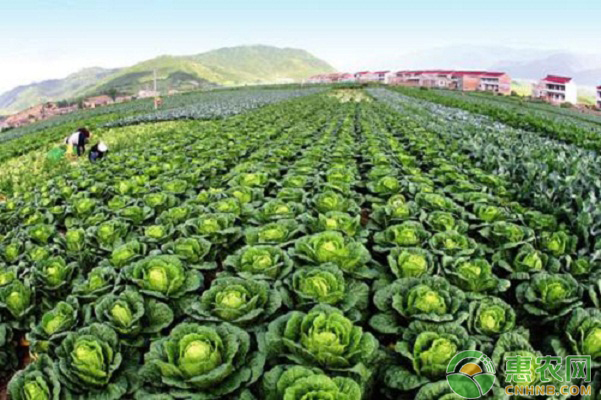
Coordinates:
310 249
568 129
204 105
545 174
215 105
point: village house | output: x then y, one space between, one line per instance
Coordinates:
97 101
556 90
144 94
381 76
498 82
598 91
32 114
364 77
123 99
336 77
347 78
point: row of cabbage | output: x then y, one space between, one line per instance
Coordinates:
512 283
216 104
547 110
550 176
199 105
116 217
582 133
310 249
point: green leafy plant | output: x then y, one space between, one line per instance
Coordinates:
549 295
323 337
428 348
326 284
53 326
407 234
490 317
99 281
193 250
164 277
474 276
195 360
332 247
280 233
90 363
411 262
39 381
427 298
261 262
127 253
239 301
298 382
132 316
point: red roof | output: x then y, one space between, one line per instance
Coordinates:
494 74
557 79
381 72
362 73
448 72
463 73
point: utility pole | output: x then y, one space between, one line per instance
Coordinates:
156 102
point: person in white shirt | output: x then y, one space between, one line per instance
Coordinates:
78 140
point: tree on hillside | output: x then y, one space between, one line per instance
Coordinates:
112 93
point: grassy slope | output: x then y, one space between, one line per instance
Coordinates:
227 66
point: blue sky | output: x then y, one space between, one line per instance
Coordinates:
50 39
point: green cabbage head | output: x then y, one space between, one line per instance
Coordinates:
323 337
429 298
242 302
490 317
549 295
90 362
38 381
302 383
265 262
212 361
333 247
163 276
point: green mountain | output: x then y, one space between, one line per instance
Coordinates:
72 86
239 65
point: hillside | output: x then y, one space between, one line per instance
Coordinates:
54 89
226 66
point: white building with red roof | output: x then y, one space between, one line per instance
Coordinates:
556 90
598 91
381 76
364 76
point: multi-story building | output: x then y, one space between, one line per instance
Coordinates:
380 76
498 82
97 101
556 90
598 91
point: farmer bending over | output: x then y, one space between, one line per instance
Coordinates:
98 151
78 140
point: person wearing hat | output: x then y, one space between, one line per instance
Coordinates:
78 139
98 151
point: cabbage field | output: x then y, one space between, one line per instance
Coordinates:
300 244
